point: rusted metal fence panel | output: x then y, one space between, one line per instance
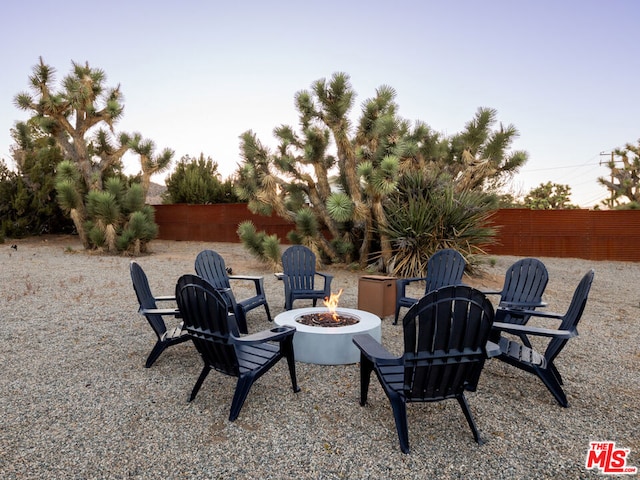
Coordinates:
213 223
590 234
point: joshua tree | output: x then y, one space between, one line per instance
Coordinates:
549 196
149 163
343 195
81 118
625 179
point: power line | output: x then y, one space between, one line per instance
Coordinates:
558 168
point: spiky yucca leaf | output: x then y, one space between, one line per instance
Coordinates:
249 237
271 250
428 215
142 227
103 205
97 236
307 223
133 200
67 171
340 206
68 196
365 169
115 187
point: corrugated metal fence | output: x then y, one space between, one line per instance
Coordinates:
590 234
594 235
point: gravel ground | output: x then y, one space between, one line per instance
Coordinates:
77 402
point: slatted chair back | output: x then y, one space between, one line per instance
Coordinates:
146 299
210 266
572 316
525 281
299 265
445 336
205 314
445 267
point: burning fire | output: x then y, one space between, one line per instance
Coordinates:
332 304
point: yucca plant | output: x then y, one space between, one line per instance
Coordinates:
104 209
426 214
139 231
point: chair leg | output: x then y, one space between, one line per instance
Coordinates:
395 320
242 321
399 408
287 351
462 400
366 367
242 390
556 373
205 371
552 384
155 353
266 307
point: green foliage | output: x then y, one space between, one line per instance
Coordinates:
345 191
26 206
197 181
264 247
75 122
139 231
427 214
306 223
624 183
115 219
549 196
103 206
340 207
133 198
629 206
97 236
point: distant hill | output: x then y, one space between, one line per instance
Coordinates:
154 196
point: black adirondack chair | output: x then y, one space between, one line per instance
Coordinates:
445 267
210 266
299 276
543 365
215 334
524 284
445 338
154 315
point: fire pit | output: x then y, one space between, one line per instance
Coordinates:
328 345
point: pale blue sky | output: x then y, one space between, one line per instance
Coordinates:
197 74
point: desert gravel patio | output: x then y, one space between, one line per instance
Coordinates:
77 401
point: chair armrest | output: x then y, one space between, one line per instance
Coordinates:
374 351
533 313
401 285
527 330
492 292
521 305
245 277
165 298
276 334
160 311
258 281
326 276
493 349
407 281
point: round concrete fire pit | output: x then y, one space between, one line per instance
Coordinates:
329 345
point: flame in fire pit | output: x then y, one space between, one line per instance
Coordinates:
332 304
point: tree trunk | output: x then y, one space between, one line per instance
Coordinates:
78 221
